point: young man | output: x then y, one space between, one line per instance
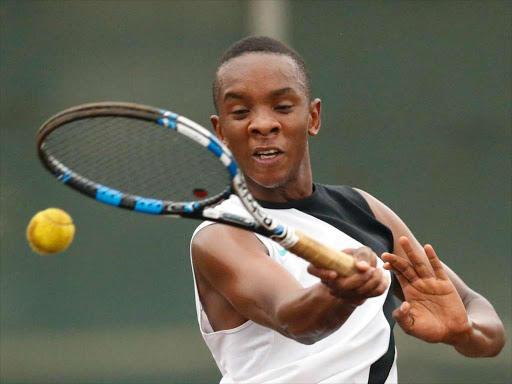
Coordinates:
265 314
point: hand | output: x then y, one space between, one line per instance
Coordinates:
433 310
355 289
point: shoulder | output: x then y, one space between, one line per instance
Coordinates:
381 212
217 246
386 216
347 193
220 243
375 208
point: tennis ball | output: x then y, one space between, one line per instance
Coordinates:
50 231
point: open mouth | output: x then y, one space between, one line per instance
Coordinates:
266 154
269 154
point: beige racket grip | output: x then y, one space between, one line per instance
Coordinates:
322 256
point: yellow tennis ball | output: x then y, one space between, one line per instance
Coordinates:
50 231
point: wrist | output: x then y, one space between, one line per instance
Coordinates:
480 340
463 341
340 307
339 299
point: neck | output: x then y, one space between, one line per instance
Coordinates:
294 189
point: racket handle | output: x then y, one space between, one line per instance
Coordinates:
322 256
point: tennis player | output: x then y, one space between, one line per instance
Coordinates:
265 314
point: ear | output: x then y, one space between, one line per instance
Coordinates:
315 117
217 127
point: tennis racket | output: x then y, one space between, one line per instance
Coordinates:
153 161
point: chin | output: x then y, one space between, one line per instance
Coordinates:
267 182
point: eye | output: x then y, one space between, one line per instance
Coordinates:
284 108
240 112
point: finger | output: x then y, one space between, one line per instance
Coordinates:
349 251
362 265
403 318
391 257
370 285
389 267
382 287
435 262
350 283
403 266
322 274
417 260
375 286
401 279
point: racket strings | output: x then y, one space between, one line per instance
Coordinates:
138 157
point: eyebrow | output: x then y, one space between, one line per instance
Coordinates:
233 95
276 93
282 91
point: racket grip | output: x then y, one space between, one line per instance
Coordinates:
322 256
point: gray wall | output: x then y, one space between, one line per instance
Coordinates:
416 110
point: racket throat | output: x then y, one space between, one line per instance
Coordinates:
287 239
280 233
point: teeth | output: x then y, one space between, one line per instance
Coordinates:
268 154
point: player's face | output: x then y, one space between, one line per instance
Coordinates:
265 118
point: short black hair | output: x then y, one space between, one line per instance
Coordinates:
262 44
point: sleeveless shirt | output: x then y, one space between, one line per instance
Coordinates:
362 350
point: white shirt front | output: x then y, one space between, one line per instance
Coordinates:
252 353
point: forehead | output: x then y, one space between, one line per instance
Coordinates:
257 70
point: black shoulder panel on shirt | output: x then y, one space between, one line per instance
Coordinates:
346 209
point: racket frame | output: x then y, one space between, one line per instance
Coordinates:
260 222
201 209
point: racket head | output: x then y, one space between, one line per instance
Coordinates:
111 152
137 157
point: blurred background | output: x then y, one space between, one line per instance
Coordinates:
416 111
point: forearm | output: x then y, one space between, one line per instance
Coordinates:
486 335
312 314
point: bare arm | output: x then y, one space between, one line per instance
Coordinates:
486 332
438 306
234 264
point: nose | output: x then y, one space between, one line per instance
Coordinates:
263 123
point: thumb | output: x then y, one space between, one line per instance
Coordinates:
403 318
365 254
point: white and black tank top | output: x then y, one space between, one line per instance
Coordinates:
361 351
